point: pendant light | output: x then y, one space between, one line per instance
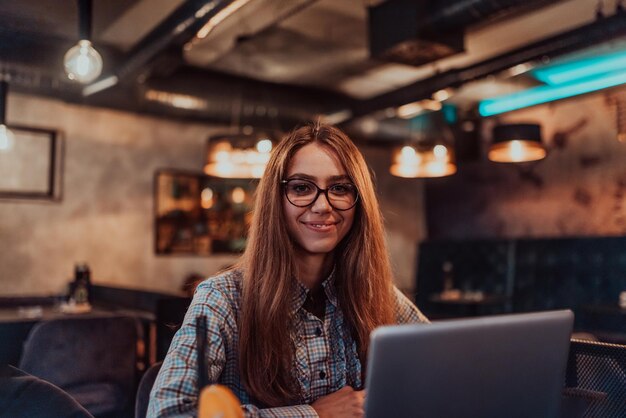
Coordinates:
414 162
428 153
82 62
7 138
238 156
516 143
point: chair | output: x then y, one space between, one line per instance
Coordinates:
595 380
93 359
23 395
143 392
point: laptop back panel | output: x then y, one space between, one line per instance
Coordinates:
499 366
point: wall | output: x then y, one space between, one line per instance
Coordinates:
402 205
105 217
578 190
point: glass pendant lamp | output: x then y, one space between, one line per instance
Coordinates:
82 62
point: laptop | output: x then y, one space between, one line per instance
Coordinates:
490 367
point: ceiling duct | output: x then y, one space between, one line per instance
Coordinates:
416 33
222 98
174 31
600 31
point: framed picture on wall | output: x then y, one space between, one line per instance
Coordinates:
30 164
199 214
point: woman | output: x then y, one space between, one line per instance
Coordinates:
288 327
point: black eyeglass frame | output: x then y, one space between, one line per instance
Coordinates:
320 190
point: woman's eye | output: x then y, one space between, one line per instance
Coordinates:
301 188
339 189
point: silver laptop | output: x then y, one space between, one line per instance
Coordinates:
490 367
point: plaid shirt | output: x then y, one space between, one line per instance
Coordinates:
325 357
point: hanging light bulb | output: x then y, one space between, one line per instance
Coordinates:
516 143
82 62
7 138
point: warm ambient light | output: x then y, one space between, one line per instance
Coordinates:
237 157
413 109
238 195
206 198
219 16
431 162
7 138
516 143
179 100
82 62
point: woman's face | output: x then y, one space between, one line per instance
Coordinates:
317 228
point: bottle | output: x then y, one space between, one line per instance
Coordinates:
448 282
81 288
449 292
87 280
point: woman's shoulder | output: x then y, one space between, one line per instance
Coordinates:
406 311
226 285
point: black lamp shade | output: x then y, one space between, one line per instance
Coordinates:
84 19
519 142
3 100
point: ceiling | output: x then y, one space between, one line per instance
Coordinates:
277 63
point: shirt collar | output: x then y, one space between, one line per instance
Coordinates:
301 292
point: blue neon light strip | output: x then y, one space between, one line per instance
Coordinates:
545 94
449 113
584 68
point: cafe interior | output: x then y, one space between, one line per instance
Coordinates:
133 134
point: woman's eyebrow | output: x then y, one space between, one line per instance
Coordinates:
342 177
302 176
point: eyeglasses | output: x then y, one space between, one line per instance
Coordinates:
302 193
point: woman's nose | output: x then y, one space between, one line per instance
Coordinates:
321 204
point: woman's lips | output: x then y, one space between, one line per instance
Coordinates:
320 226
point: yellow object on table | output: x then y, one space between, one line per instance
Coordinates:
217 401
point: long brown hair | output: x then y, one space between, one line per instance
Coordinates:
363 278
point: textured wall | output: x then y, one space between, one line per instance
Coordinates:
578 190
105 217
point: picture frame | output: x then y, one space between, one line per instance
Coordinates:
31 167
196 214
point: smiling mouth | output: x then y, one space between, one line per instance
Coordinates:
319 226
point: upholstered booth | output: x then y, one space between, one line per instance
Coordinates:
93 359
23 395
